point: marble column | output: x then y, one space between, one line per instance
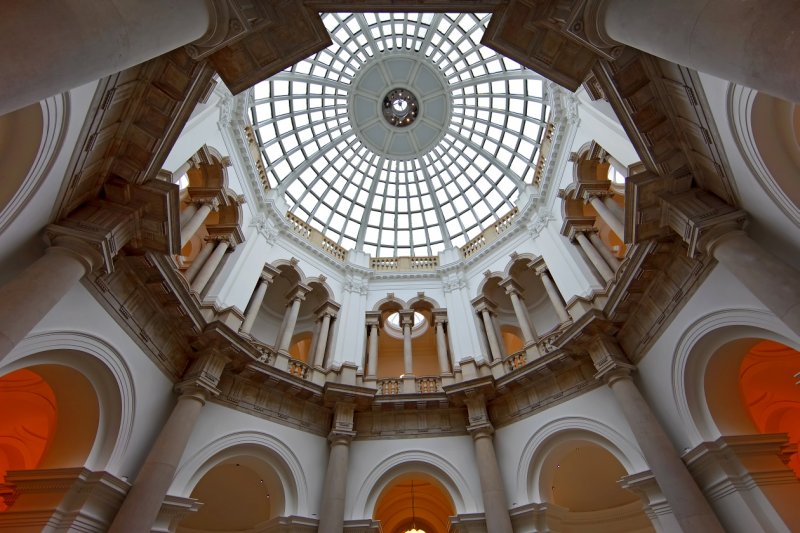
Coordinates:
495 504
407 322
296 296
198 261
197 220
29 296
331 515
607 216
612 261
494 343
688 503
594 256
143 502
617 210
255 304
327 311
554 294
752 43
373 322
86 41
187 214
440 319
513 291
210 265
775 283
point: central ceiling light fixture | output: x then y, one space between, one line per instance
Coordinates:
413 514
400 107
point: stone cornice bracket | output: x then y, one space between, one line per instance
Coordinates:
228 24
204 374
700 218
609 359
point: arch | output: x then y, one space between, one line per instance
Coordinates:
109 375
410 461
769 143
290 265
526 258
34 137
423 301
322 283
548 437
694 351
433 504
395 303
265 447
487 277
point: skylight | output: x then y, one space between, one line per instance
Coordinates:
349 168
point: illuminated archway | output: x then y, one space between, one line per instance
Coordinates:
429 511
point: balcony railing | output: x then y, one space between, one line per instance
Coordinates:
428 384
490 234
404 263
390 386
305 231
515 360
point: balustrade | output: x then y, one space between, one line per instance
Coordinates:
428 384
390 386
515 360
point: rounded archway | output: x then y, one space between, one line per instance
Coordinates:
240 493
416 500
54 421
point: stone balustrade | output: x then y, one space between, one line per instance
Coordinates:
515 361
305 231
428 384
490 235
405 263
390 386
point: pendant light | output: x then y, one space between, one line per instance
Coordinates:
413 514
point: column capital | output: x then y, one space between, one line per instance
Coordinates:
439 316
539 266
298 292
373 318
700 218
90 256
483 303
406 317
203 374
610 361
328 307
511 286
269 273
228 24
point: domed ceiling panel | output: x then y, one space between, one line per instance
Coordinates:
405 135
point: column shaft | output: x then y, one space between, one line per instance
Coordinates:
594 256
143 502
372 356
322 342
87 41
522 317
187 214
291 322
331 516
255 304
752 43
194 223
408 361
688 503
494 346
27 298
441 349
555 296
601 247
210 266
616 209
772 281
495 506
198 262
607 216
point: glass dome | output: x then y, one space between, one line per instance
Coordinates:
405 136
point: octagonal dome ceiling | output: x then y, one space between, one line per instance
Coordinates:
405 136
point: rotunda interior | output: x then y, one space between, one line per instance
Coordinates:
453 267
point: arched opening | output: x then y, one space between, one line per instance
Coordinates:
53 422
770 393
582 477
512 339
241 493
300 348
431 509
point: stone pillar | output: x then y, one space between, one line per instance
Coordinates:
407 322
495 504
594 256
484 307
710 226
607 216
326 311
255 303
331 515
187 214
296 296
197 220
689 505
198 261
601 247
90 40
373 323
27 298
143 502
439 320
752 43
617 210
552 291
513 290
210 266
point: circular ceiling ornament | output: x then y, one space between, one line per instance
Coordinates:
411 95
